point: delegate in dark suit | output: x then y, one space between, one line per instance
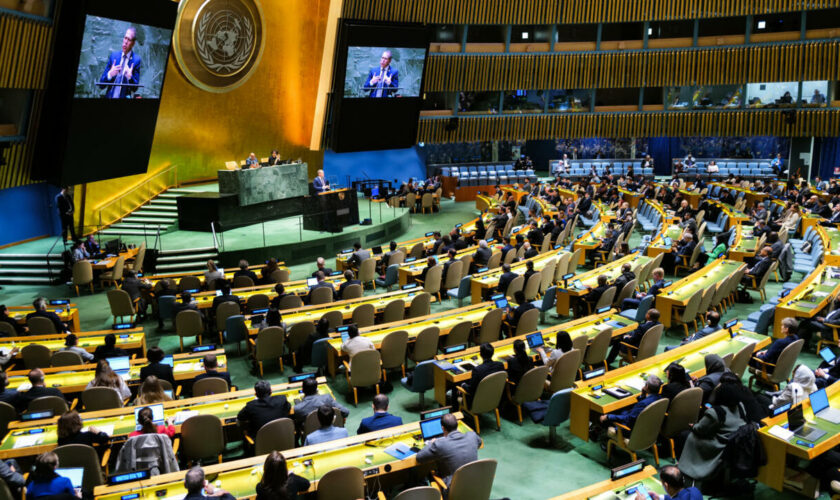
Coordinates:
127 62
478 373
24 398
504 281
261 411
379 420
65 208
634 339
160 370
381 88
320 184
451 452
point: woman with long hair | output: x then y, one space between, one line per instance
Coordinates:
277 483
106 377
145 419
69 429
678 381
519 363
212 274
150 392
45 482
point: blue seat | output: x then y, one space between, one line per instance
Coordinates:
462 292
391 277
546 303
638 315
166 309
559 408
319 353
760 321
236 331
422 380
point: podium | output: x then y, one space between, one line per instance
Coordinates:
330 211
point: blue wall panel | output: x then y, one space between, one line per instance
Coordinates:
400 164
27 212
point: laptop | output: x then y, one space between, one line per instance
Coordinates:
577 284
169 393
667 241
535 340
431 428
74 474
828 355
168 360
821 408
157 414
501 302
376 250
310 282
343 331
796 423
121 366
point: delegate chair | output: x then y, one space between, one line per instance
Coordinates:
391 277
290 302
257 301
114 276
38 325
55 404
101 398
491 326
472 481
546 303
367 272
344 483
644 433
393 351
487 397
242 282
559 408
529 388
741 360
461 292
422 380
683 412
394 311
66 358
638 315
311 423
121 305
188 324
418 493
363 370
352 292
420 305
426 344
8 414
236 331
210 385
270 345
596 353
36 356
82 275
647 346
84 456
774 374
276 435
298 333
564 370
321 295
363 315
202 436
459 334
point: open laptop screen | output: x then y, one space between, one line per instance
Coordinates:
119 363
431 428
819 400
74 474
157 414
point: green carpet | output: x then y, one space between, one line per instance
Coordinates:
528 467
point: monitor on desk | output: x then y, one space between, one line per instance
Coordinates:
310 282
431 428
74 474
436 413
377 250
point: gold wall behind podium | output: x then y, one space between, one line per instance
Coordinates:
276 108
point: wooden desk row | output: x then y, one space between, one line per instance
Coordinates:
811 295
39 436
589 241
631 377
73 379
452 369
679 292
240 477
610 490
130 340
482 283
612 270
154 279
110 261
68 313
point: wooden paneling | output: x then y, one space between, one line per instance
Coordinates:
705 66
552 11
818 123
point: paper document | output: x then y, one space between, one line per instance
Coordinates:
636 383
107 429
26 441
183 415
780 432
745 340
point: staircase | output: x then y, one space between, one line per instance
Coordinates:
160 213
29 268
184 260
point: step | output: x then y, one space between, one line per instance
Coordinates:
189 250
160 205
127 232
187 266
25 280
168 196
180 191
189 257
16 271
29 256
165 201
4 263
148 227
131 219
164 214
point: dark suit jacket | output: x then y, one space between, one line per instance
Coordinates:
517 368
159 370
114 59
259 412
584 205
535 236
622 280
478 374
225 298
134 286
103 352
378 421
481 256
519 311
531 252
776 348
24 398
595 294
248 273
637 334
320 185
656 288
760 268
64 204
327 271
504 281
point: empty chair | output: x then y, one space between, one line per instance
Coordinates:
391 277
426 344
459 334
367 272
189 283
596 353
432 283
296 338
419 493
115 275
420 305
421 381
393 351
741 360
472 481
559 408
546 303
236 330
363 370
491 326
223 312
334 318
462 291
528 322
453 277
202 437
188 324
82 275
394 311
487 397
363 315
36 356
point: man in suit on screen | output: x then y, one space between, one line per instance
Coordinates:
122 70
384 80
320 183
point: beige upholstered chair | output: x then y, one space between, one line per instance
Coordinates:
487 397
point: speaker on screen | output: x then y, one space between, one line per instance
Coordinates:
378 85
106 78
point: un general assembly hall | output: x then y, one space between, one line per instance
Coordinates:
419 249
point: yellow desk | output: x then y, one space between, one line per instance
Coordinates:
608 490
72 379
589 241
130 339
679 292
410 271
773 474
745 243
451 369
631 377
809 297
119 422
612 270
175 277
365 451
109 262
630 197
832 249
489 280
68 313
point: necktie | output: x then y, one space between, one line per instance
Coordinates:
381 83
115 93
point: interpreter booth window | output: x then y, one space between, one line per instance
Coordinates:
437 101
717 97
569 100
772 94
814 94
446 38
624 99
621 36
530 38
575 37
14 111
679 98
823 19
478 102
670 34
524 101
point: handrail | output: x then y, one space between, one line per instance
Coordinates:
49 253
213 230
171 180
